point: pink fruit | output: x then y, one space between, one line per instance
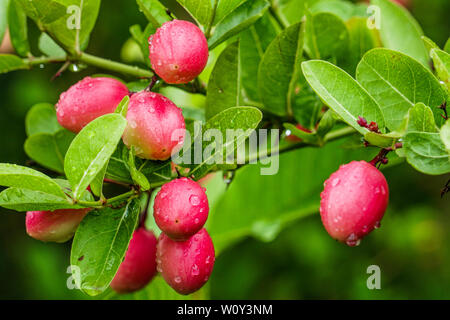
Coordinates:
139 265
178 51
54 226
155 126
353 202
87 100
181 208
186 265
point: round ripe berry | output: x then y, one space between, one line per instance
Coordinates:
87 100
178 51
186 265
181 208
353 201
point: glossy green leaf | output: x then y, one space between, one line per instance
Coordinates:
42 119
200 10
429 44
49 47
441 61
342 94
400 31
48 149
343 9
447 46
122 107
238 20
426 152
397 82
18 30
224 86
10 62
141 37
253 43
280 69
421 119
91 150
30 200
154 11
326 36
224 8
44 11
12 175
100 244
117 167
137 176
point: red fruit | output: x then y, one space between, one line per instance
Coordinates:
353 201
292 138
186 265
178 51
87 100
155 127
54 226
181 208
139 265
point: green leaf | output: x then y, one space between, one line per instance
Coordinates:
42 119
97 184
445 135
326 36
224 8
244 119
253 43
3 18
44 11
421 119
343 9
397 82
200 10
49 47
156 171
91 150
18 30
400 31
122 107
137 176
326 123
192 104
441 61
307 137
447 46
48 149
141 38
280 69
30 200
224 86
238 20
117 167
12 175
10 62
361 40
154 11
426 152
342 94
429 44
100 244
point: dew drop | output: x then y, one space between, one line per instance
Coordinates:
377 225
196 221
195 270
353 240
177 279
383 190
335 182
194 200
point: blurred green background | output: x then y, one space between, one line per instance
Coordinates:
412 247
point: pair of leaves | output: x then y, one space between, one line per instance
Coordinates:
154 11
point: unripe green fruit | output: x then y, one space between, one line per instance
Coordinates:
54 226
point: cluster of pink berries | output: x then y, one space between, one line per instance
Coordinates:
184 253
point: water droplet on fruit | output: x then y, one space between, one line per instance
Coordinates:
353 240
377 225
196 221
195 270
194 200
335 182
163 195
383 191
177 279
208 258
365 229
